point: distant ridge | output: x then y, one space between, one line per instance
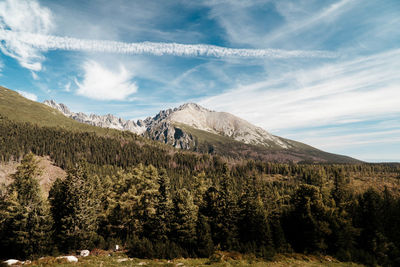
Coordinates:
193 127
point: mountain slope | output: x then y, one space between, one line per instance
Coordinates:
189 126
18 108
223 124
193 127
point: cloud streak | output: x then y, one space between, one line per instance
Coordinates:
329 13
51 42
353 97
356 90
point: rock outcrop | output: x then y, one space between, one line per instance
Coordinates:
165 126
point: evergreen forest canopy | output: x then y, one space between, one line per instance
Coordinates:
159 202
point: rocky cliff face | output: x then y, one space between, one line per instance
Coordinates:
225 124
165 126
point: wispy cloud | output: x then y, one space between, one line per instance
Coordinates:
329 13
348 107
247 22
360 89
28 95
24 16
49 42
101 83
337 140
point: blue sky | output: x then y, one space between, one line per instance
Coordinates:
326 73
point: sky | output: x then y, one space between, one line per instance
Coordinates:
326 73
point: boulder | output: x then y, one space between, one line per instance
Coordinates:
84 253
69 258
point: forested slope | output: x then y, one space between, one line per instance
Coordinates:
159 202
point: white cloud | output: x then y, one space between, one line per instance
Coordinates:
28 95
101 83
356 90
49 42
24 16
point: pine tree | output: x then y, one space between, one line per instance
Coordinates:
183 226
75 209
255 234
132 207
211 210
24 214
228 218
205 245
308 225
162 218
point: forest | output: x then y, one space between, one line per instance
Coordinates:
159 202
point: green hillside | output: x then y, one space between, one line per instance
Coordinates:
20 109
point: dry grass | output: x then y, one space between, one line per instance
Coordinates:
223 259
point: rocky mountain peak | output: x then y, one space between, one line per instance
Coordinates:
60 107
106 121
165 125
192 106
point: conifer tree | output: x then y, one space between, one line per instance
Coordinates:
183 226
205 245
308 224
133 206
228 219
75 209
162 218
255 234
24 214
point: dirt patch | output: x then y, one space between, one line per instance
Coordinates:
50 173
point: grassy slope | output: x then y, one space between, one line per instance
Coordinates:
19 109
228 147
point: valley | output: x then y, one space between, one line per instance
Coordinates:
103 186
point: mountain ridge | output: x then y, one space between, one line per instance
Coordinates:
193 127
191 114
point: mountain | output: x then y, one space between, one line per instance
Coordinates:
193 127
106 121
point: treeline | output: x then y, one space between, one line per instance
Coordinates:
160 203
66 148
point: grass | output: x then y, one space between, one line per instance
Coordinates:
20 109
120 259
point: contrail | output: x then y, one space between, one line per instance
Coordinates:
51 42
